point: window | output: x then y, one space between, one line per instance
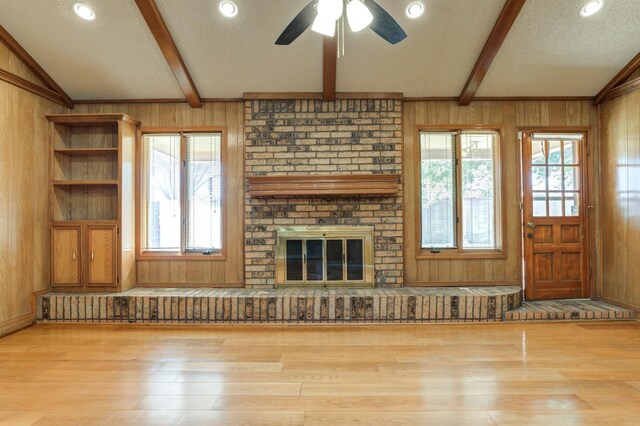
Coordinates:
182 193
460 190
555 175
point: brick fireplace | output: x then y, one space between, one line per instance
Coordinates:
310 138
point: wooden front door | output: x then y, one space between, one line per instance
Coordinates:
555 216
101 255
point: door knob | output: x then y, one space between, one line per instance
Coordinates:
530 235
531 225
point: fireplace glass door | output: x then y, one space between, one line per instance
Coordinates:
321 260
325 256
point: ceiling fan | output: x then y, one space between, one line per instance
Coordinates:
321 16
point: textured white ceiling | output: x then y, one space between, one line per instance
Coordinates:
112 57
550 51
436 58
227 57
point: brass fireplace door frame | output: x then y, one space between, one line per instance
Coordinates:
325 233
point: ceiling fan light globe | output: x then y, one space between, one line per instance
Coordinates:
358 15
329 9
324 26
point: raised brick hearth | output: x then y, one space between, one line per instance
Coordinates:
310 137
206 306
403 305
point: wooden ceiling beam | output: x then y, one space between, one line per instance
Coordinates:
15 47
33 88
503 25
151 14
624 73
621 89
329 64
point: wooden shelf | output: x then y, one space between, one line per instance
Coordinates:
84 182
363 185
86 151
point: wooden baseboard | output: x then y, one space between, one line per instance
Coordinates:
15 324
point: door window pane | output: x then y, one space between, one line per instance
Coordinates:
570 152
571 204
555 204
203 191
294 260
161 159
334 260
554 152
539 204
314 260
355 260
571 178
555 178
538 152
478 190
438 183
538 178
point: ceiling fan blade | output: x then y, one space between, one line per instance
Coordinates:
384 25
298 25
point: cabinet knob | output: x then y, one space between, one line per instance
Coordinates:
92 255
73 255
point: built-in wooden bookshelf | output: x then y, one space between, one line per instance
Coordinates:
92 201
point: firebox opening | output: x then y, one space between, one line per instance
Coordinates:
325 256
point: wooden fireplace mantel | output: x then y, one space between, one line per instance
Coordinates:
289 185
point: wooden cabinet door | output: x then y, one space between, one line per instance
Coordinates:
65 256
101 255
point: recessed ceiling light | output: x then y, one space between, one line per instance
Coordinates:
415 9
228 8
591 8
84 11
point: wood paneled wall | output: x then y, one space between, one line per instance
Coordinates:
510 116
196 272
9 62
24 219
620 176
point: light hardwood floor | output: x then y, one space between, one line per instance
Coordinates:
481 374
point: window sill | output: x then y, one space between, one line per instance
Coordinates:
469 254
151 255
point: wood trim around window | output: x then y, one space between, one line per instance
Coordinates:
142 254
500 180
